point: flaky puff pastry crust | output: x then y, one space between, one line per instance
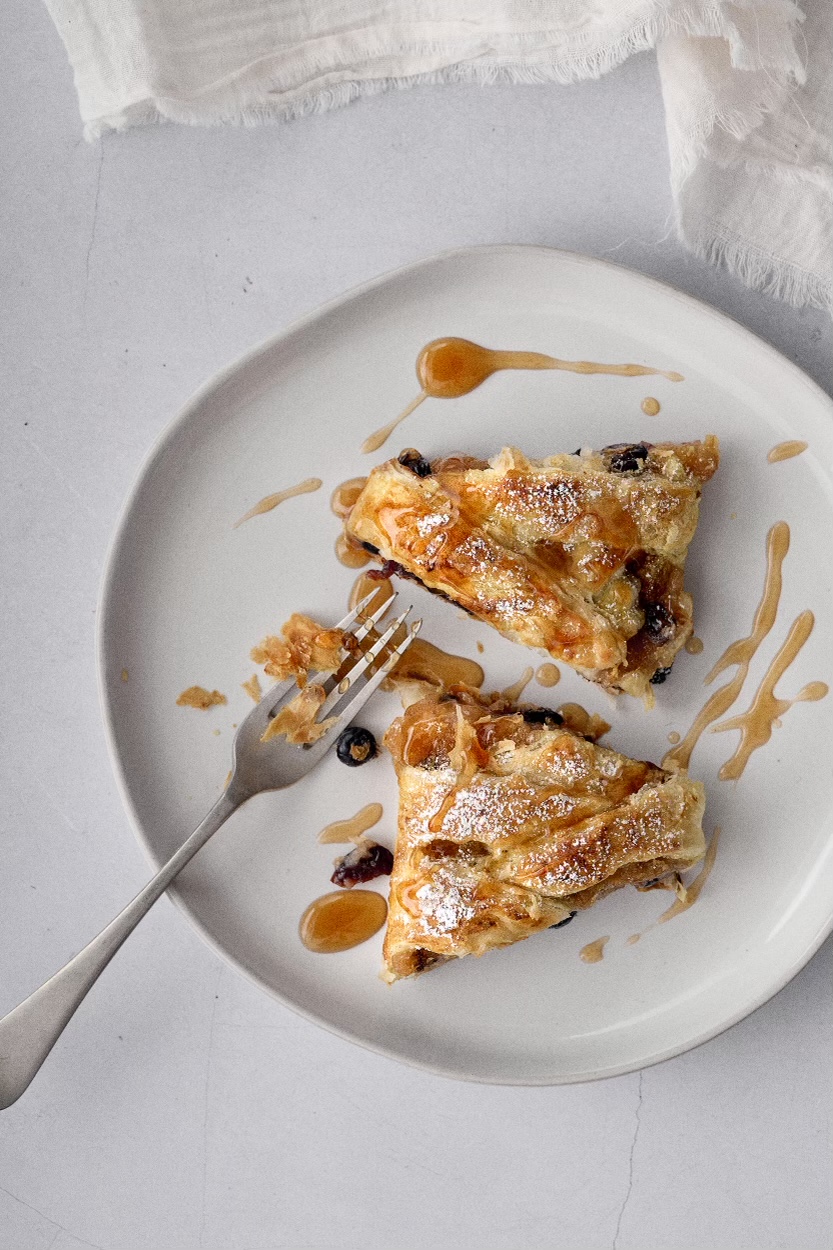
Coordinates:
570 554
506 827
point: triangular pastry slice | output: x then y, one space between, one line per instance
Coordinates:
581 555
510 820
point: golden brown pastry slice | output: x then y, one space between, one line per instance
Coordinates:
581 555
510 820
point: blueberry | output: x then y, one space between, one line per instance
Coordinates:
629 458
660 676
411 459
355 746
541 716
660 625
562 923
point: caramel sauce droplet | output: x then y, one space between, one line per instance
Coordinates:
345 495
694 646
786 451
339 921
272 501
594 952
350 553
757 722
650 406
739 653
673 737
352 829
548 675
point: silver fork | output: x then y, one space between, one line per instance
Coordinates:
30 1030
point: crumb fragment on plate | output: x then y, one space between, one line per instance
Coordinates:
253 688
200 698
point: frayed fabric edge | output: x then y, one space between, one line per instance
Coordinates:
245 103
757 269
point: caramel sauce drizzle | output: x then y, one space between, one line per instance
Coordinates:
650 406
514 692
548 675
594 952
693 891
739 653
272 501
756 724
338 921
351 830
786 451
449 368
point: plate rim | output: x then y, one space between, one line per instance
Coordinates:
157 448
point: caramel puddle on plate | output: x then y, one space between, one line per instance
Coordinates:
364 585
594 952
548 675
786 451
425 662
271 501
514 692
739 653
650 406
338 921
757 722
351 830
448 368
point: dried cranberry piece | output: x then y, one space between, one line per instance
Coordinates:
388 569
660 625
363 863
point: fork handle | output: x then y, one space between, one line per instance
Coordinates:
30 1030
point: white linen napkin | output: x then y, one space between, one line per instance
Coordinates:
747 85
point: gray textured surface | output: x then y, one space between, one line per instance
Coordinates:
182 1109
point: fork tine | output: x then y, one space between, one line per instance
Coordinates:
361 665
372 684
275 694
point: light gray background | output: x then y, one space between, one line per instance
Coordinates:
183 1109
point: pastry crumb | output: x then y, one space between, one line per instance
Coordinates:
296 722
199 697
253 688
125 676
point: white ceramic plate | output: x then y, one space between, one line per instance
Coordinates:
186 596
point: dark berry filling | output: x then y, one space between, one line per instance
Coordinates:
566 920
629 458
660 625
660 676
541 716
411 459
